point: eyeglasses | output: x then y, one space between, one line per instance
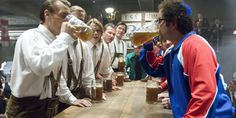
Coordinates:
157 21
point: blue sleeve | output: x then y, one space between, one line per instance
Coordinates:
160 72
148 46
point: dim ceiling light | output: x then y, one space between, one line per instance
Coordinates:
109 10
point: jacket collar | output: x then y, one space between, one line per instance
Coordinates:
182 40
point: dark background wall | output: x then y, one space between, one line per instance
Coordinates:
225 10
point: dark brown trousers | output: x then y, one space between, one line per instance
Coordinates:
27 107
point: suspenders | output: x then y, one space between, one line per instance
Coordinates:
99 61
115 52
71 74
54 82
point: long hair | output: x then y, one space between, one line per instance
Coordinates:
97 22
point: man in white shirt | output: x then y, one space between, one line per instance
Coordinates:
37 62
118 46
109 33
118 49
77 71
99 51
108 36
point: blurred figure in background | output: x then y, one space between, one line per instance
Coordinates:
5 72
2 101
217 32
5 91
133 65
231 89
162 49
202 26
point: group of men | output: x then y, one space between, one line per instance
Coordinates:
53 67
52 64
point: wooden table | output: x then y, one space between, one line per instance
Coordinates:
126 103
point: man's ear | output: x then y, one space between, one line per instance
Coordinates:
173 25
46 13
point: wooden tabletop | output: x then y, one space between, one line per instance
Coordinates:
126 103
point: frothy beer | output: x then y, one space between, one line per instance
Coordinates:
139 38
120 79
84 33
151 94
108 84
99 91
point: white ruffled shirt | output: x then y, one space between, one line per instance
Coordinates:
37 53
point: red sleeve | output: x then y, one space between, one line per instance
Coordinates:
154 60
164 84
200 65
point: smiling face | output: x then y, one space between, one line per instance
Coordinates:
120 31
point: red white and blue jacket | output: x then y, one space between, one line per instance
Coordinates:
193 76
